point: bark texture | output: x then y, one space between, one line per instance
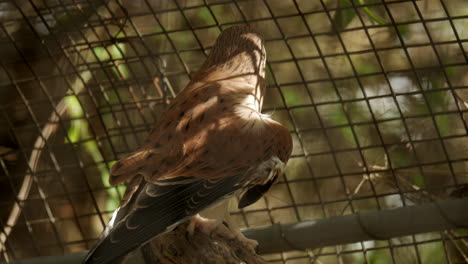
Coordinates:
178 246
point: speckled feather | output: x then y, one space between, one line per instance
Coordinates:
211 142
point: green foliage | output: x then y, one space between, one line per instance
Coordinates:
295 95
451 71
69 17
347 133
78 126
101 53
346 13
205 15
442 122
380 256
363 66
374 17
111 54
401 157
418 180
72 18
336 116
79 132
432 253
403 30
79 129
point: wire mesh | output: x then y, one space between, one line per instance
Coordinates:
374 93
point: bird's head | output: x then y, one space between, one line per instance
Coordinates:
238 50
238 56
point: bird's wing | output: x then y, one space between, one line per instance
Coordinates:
130 166
159 208
160 205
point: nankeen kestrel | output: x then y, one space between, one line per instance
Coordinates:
211 143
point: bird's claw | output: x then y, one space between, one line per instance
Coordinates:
205 225
213 228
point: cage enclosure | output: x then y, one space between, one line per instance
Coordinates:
373 92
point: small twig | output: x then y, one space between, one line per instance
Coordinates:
459 98
159 90
450 235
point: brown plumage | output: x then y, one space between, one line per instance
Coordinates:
210 143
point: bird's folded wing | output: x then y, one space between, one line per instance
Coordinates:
129 166
158 208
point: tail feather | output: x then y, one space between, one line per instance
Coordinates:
157 209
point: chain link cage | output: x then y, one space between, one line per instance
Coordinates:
374 93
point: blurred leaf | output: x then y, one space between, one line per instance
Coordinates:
437 101
73 106
73 133
121 71
79 83
105 177
363 66
205 15
292 98
418 180
117 51
380 257
101 53
114 201
114 52
108 119
371 14
344 15
451 71
295 95
442 122
120 35
336 116
462 232
75 112
348 134
432 253
114 198
403 30
111 97
400 157
79 130
71 16
92 148
420 107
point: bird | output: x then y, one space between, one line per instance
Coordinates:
211 143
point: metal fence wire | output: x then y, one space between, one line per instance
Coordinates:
374 92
